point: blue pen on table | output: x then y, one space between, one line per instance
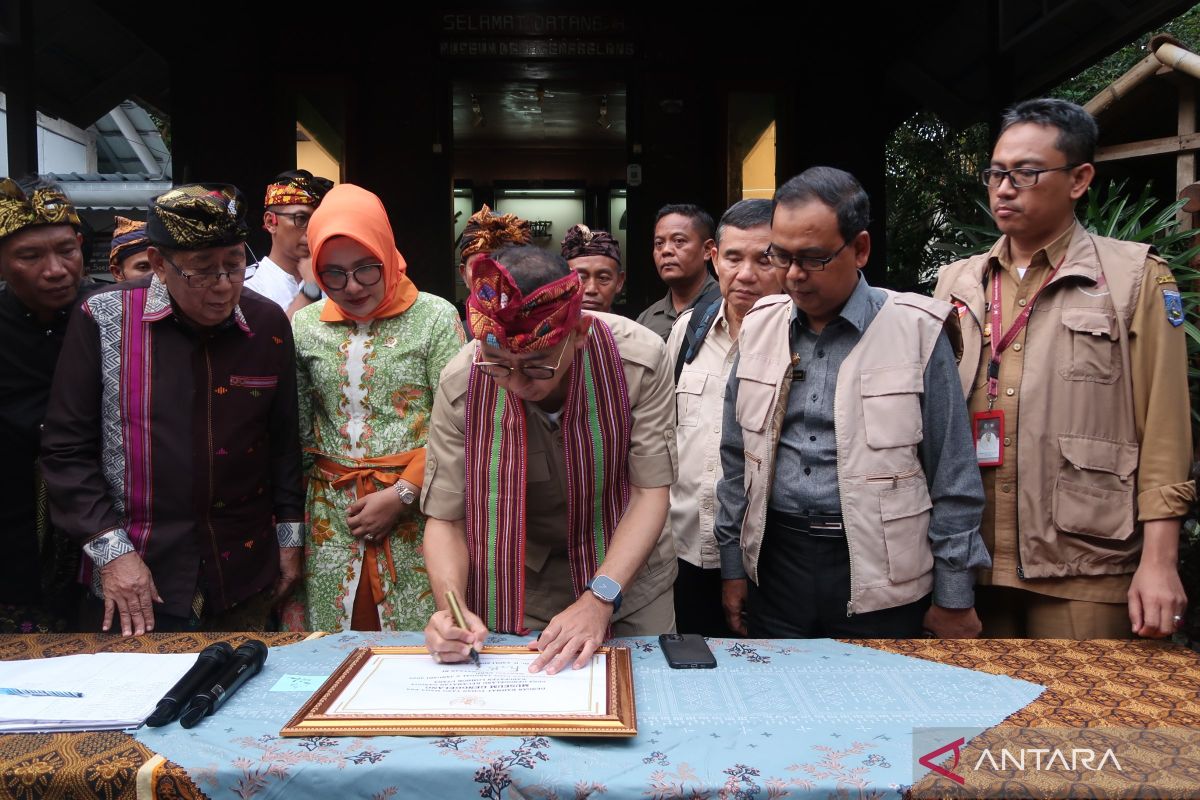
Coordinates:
39 693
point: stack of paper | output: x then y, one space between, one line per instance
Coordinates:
116 690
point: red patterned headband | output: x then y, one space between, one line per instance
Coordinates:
501 316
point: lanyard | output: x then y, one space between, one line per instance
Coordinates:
1000 344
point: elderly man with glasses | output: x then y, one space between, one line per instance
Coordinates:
849 492
550 453
170 448
1074 351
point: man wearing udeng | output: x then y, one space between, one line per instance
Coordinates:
549 459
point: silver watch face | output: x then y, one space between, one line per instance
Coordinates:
605 588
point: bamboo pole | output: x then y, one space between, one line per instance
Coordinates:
1123 85
1171 52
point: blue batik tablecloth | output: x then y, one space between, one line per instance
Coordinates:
777 718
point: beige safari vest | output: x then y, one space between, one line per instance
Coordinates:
1077 443
878 426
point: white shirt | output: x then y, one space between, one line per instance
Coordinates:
274 283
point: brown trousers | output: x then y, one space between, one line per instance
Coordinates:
1008 613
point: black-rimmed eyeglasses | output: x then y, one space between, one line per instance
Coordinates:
299 218
364 275
781 260
1020 178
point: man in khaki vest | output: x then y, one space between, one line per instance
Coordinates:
1073 350
849 493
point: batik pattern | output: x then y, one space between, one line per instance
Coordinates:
366 390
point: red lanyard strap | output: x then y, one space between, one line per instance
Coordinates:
1001 343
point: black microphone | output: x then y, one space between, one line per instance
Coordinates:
201 675
246 663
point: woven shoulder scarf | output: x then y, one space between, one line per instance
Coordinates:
595 426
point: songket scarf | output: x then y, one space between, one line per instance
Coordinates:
595 425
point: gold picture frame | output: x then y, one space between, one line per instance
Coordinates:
314 719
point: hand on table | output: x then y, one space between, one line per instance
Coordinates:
129 590
952 623
450 644
375 515
1156 598
573 634
733 599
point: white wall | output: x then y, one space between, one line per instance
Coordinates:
62 147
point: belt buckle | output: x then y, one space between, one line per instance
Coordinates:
835 529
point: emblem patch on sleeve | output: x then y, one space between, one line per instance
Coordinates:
1174 304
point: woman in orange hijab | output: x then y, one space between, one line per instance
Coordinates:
368 359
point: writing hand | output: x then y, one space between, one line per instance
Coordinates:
449 643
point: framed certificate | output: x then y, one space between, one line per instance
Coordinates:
401 691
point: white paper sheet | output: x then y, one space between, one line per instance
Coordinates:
119 690
501 686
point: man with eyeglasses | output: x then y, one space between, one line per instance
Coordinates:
1075 354
170 447
849 493
551 449
290 201
702 347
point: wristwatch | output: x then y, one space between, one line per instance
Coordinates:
406 495
310 290
607 590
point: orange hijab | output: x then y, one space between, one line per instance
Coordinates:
349 210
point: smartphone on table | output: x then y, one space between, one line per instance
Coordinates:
686 651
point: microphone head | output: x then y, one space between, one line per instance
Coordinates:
217 649
195 712
252 649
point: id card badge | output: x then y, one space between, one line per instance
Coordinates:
988 428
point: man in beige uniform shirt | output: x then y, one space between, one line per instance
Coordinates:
516 500
1073 349
745 274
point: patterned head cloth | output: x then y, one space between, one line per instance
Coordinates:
583 241
45 205
128 239
297 188
487 232
196 216
500 316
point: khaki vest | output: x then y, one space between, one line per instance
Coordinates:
878 424
1077 444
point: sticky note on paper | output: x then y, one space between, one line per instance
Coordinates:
299 683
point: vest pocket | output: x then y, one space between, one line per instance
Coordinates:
905 511
755 402
1089 350
891 399
688 395
1094 493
